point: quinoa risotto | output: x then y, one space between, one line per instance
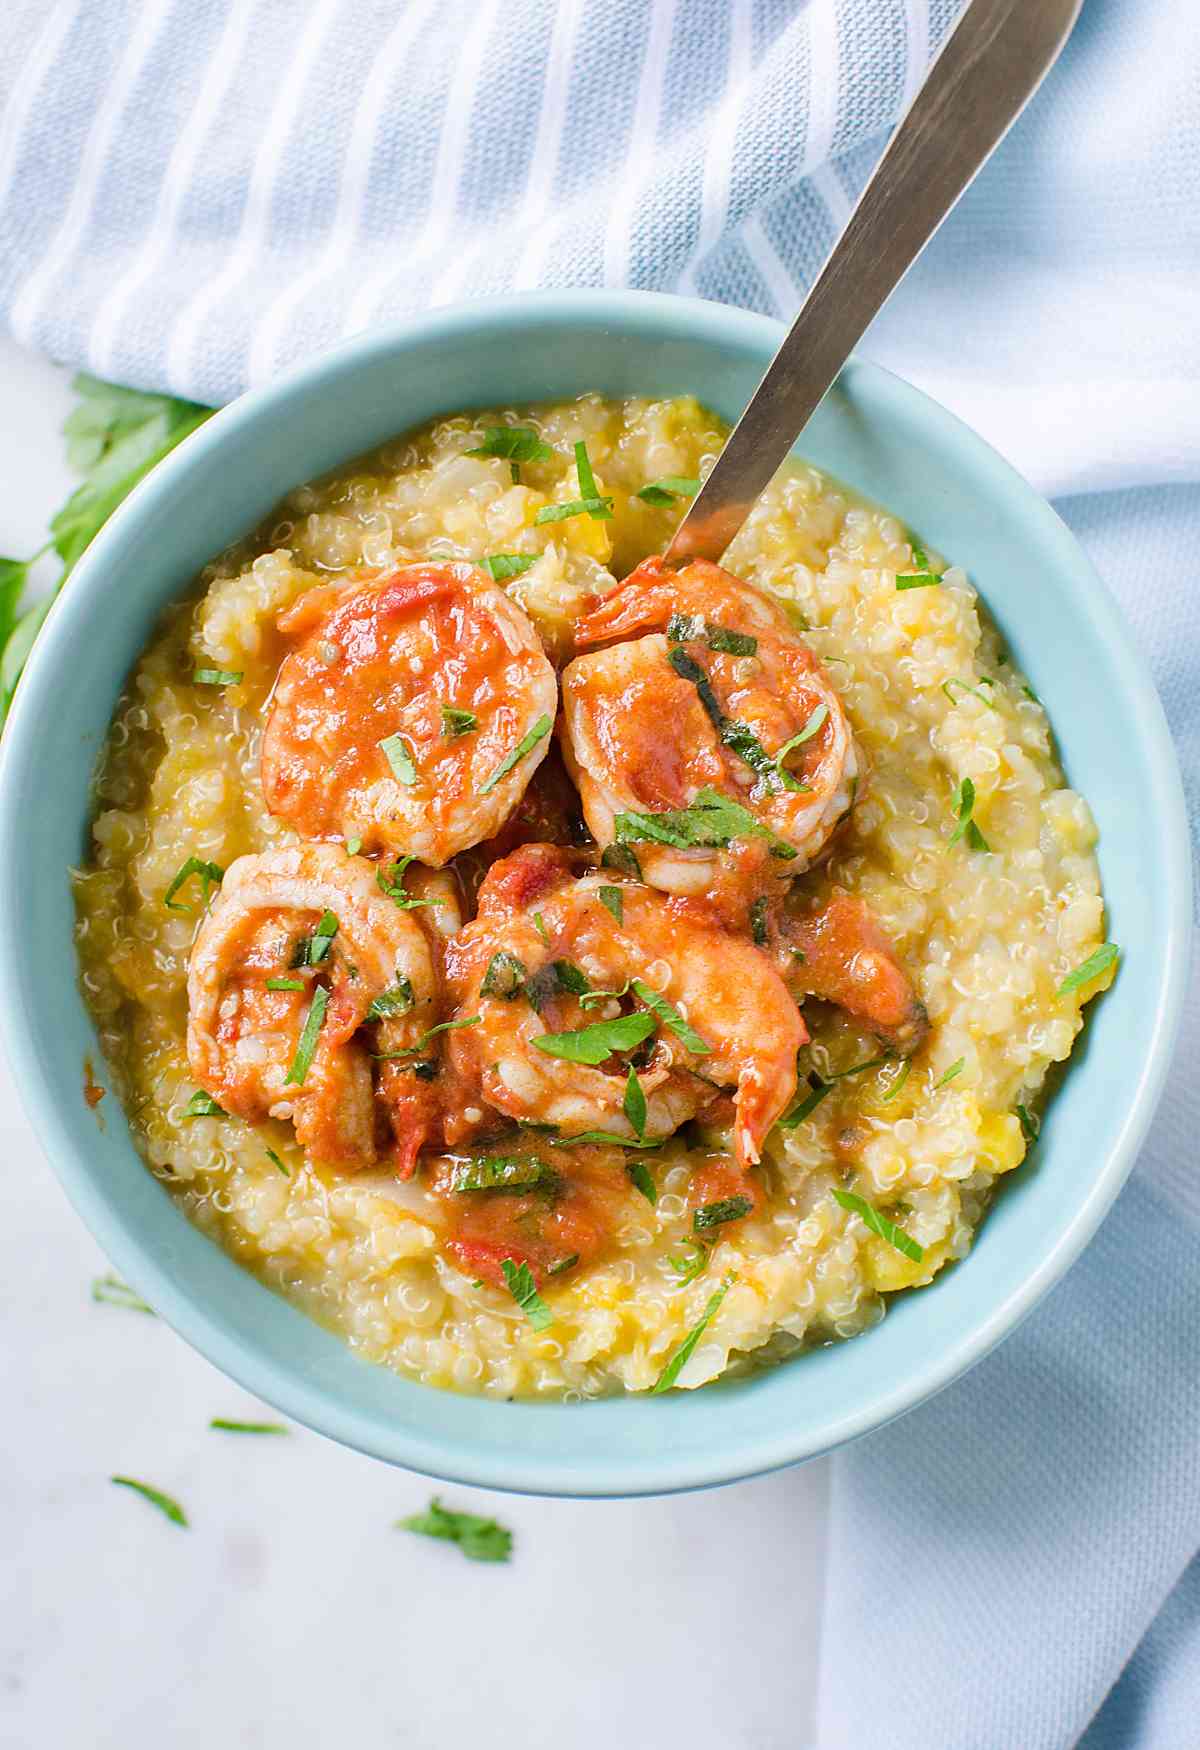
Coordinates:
764 1147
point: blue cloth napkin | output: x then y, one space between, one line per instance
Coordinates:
195 192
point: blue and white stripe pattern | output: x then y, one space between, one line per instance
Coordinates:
195 192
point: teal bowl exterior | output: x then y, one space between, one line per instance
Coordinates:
881 437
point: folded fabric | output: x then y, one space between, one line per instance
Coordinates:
195 192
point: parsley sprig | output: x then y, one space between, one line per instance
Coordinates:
114 438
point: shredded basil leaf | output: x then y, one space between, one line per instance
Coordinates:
758 922
670 1017
668 489
955 1069
312 950
974 691
285 984
717 1214
430 1033
1092 967
597 508
561 1264
399 757
641 1179
308 1038
1029 1124
634 1104
397 999
523 1289
898 1083
613 901
674 1367
512 443
224 1426
622 858
879 1224
685 628
499 1173
501 566
922 576
391 880
480 1540
277 1163
595 1043
111 1291
711 820
539 924
165 1503
217 677
210 875
541 728
456 722
353 847
811 726
504 977
571 977
966 828
202 1105
687 1269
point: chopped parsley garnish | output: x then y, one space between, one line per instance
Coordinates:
111 1291
399 757
687 1269
217 677
758 922
1092 967
955 1069
504 977
710 820
725 1209
641 1179
634 1104
670 1017
674 1367
209 874
312 950
879 1224
456 722
523 1289
285 984
430 1033
668 489
480 1540
899 1082
1029 1124
622 858
499 1173
501 566
685 628
224 1425
513 444
397 999
165 1503
613 900
541 728
597 1042
202 1105
277 1163
390 879
966 828
308 1038
922 577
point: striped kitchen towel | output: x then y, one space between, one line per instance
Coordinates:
196 192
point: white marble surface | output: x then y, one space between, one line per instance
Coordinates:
291 1613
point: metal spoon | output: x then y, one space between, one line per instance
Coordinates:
992 63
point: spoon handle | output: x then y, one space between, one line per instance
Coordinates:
993 61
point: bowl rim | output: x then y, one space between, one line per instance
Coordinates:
190 1315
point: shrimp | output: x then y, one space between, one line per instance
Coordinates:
411 717
301 932
721 703
841 953
551 955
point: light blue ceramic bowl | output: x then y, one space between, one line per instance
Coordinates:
879 436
